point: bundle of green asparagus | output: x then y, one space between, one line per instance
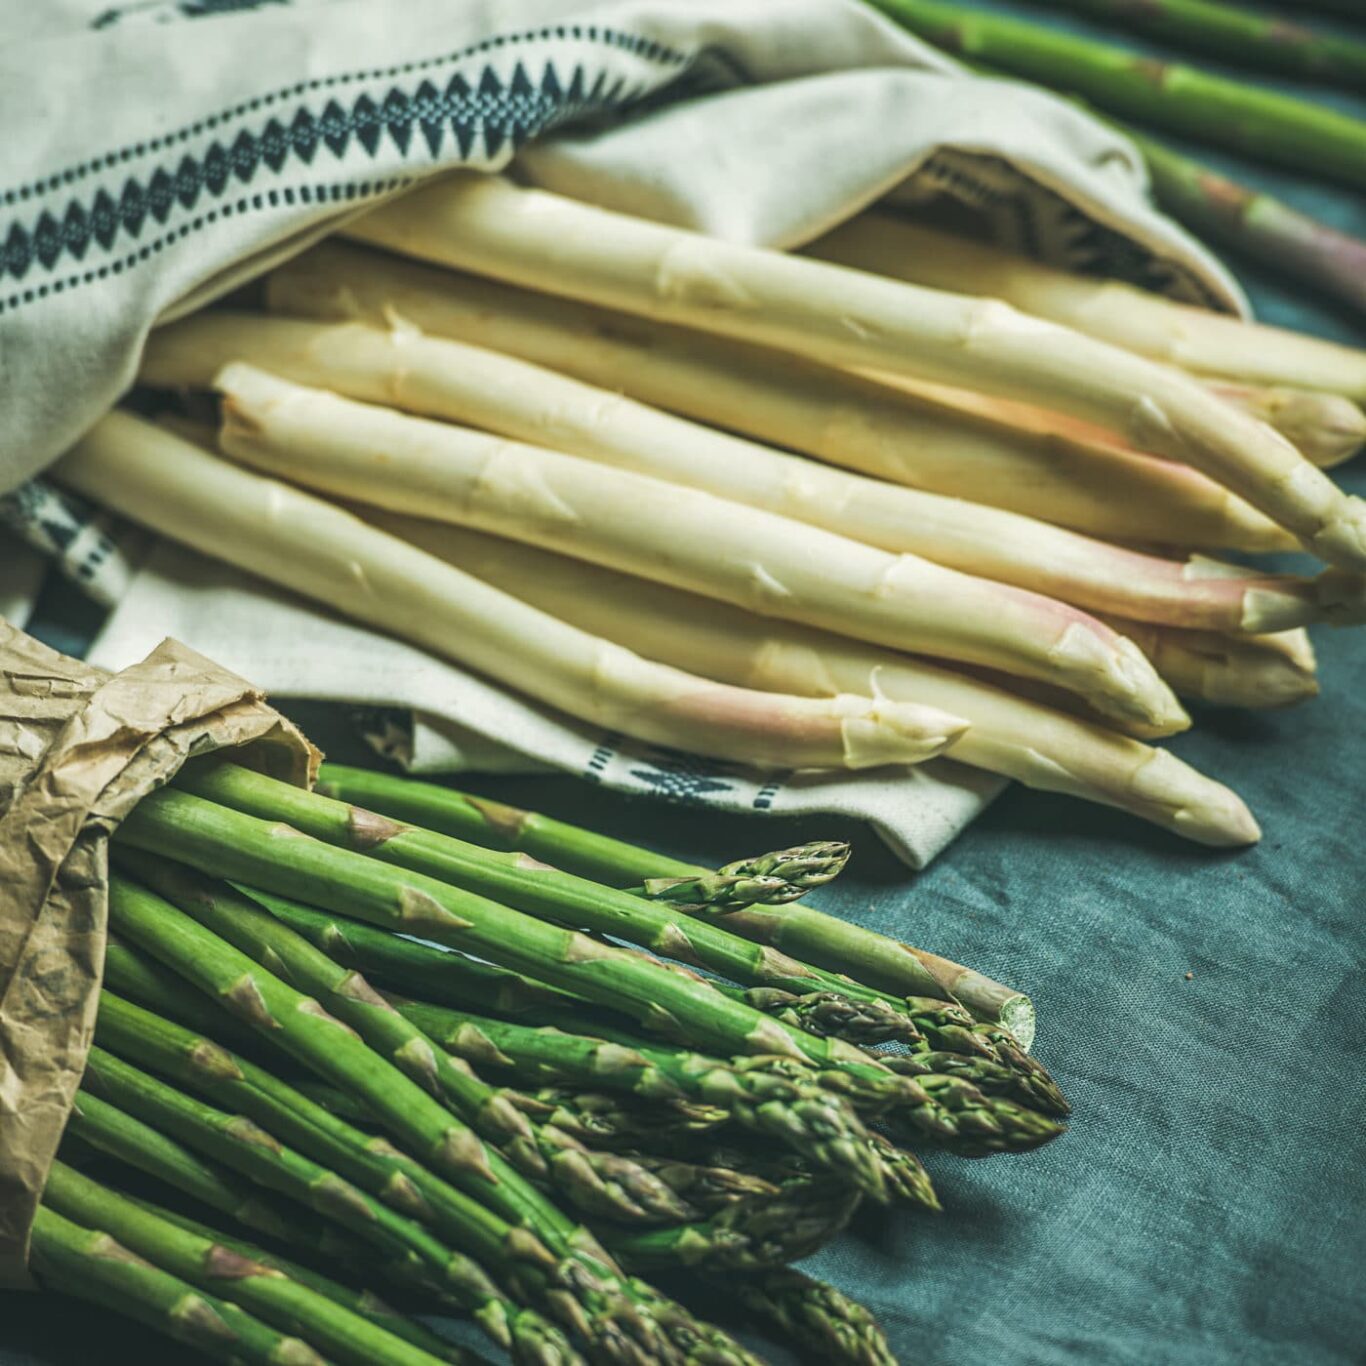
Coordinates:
389 1058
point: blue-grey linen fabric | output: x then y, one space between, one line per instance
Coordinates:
1205 1013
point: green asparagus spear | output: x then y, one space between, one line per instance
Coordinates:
887 965
300 1025
608 1120
575 902
800 869
1237 36
132 973
436 974
363 1302
750 1236
279 859
1185 100
248 1149
792 1111
344 1336
710 1188
602 1185
783 875
282 860
823 1322
371 1163
90 1265
114 1132
1256 223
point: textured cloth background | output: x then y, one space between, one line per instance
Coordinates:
1209 1205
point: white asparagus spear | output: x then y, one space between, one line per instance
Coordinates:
1260 672
326 553
436 377
1195 339
680 536
848 317
787 401
1325 428
1040 746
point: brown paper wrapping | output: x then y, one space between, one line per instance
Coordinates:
78 748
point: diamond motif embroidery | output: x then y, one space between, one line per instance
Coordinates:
501 112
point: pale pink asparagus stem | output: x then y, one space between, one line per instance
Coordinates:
315 548
1041 746
680 536
473 386
1258 672
837 416
851 317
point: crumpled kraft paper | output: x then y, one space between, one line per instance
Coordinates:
79 747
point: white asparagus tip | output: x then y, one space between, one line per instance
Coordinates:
1343 539
1270 682
1341 597
879 731
1187 802
1134 693
1267 608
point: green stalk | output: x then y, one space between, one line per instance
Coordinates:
602 1185
135 975
1236 36
482 821
90 1265
794 1112
750 1236
345 1337
783 875
1254 122
710 1188
300 1025
244 1146
117 1134
280 859
614 1317
363 1302
900 972
1256 224
368 1162
578 903
548 894
612 1121
823 1322
812 865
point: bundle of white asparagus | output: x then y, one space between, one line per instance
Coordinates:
770 508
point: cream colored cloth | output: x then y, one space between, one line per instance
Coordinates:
436 717
153 159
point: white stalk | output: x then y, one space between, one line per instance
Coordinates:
1275 670
1325 428
326 553
786 401
679 536
435 377
848 317
1040 746
1193 338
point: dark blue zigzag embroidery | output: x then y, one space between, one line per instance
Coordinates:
684 778
501 113
166 11
637 46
